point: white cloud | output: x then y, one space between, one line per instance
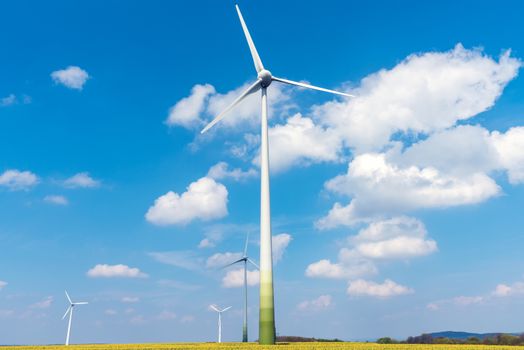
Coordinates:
43 304
432 306
56 199
72 77
3 284
221 171
119 270
110 312
206 243
321 303
16 180
8 100
395 238
279 244
467 300
221 259
379 187
183 259
504 290
510 147
188 110
369 288
424 93
81 180
204 199
300 142
6 313
235 278
130 299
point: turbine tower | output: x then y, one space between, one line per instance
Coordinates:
264 79
219 320
70 312
245 259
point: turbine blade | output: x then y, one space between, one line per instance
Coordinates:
245 246
67 311
256 58
68 298
227 308
307 86
254 87
251 261
233 263
81 303
214 308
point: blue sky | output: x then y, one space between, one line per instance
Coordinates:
107 189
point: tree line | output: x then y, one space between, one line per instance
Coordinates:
498 339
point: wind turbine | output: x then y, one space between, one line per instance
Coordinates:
219 320
245 259
264 79
70 312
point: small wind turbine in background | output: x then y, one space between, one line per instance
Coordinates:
214 307
70 312
245 259
266 334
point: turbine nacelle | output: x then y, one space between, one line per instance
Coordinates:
265 78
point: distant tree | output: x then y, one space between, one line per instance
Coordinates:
444 340
473 340
386 340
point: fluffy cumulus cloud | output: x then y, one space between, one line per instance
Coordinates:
16 180
222 259
81 180
424 93
300 142
386 289
504 290
56 199
204 199
204 103
222 171
397 238
323 302
379 187
235 278
119 270
187 111
280 243
72 77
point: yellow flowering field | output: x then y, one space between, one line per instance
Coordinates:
253 346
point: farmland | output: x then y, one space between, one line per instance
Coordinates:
253 346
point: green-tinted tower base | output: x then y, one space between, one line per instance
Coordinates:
267 334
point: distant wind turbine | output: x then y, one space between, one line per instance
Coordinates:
70 312
219 320
264 79
245 259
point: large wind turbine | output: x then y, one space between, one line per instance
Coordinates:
264 79
70 312
219 320
245 259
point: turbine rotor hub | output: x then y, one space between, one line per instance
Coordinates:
265 77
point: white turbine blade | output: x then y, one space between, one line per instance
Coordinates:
68 298
256 58
81 303
67 311
227 308
251 261
307 86
233 263
245 246
254 87
214 308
